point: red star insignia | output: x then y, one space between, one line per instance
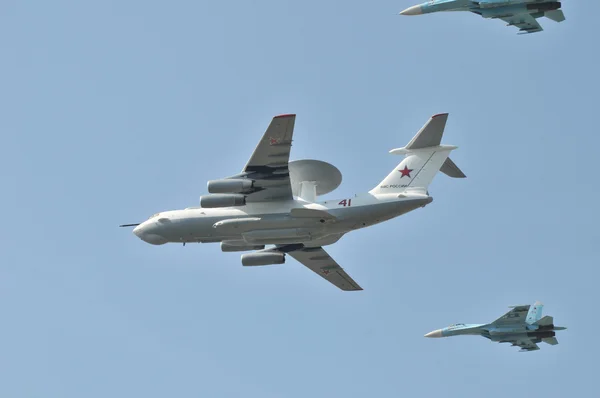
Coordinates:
273 141
406 172
325 272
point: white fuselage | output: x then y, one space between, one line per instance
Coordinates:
271 222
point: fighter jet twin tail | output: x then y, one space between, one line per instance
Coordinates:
520 13
273 201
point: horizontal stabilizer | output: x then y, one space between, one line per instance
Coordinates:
451 169
550 340
545 321
430 134
311 213
555 15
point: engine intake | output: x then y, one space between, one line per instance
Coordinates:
221 200
265 258
230 186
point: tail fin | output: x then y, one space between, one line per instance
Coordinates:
535 313
424 158
555 15
545 321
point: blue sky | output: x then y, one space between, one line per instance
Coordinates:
111 112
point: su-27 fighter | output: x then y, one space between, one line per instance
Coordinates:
520 13
523 326
273 201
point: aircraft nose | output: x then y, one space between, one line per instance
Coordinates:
435 333
414 10
143 231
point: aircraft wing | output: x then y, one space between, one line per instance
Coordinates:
268 165
526 345
525 22
517 314
320 262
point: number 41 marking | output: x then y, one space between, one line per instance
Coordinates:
345 202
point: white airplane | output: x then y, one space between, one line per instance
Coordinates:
273 202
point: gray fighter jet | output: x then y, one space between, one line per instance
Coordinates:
522 326
520 13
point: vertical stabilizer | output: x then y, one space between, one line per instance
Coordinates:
535 313
545 321
425 156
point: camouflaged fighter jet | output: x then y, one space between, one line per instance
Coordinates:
520 13
273 201
523 326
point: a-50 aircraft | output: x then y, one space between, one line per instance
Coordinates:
523 326
520 13
272 201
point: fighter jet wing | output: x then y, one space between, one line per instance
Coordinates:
321 263
526 345
268 165
525 22
517 315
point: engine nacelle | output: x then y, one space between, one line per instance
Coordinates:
509 10
264 258
542 335
222 200
541 7
239 185
241 247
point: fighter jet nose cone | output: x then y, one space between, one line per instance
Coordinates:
414 10
435 333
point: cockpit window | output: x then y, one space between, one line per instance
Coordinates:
456 324
154 215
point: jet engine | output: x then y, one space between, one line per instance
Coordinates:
510 10
542 335
228 246
230 186
222 200
262 258
549 6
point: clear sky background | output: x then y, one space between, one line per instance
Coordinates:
111 111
